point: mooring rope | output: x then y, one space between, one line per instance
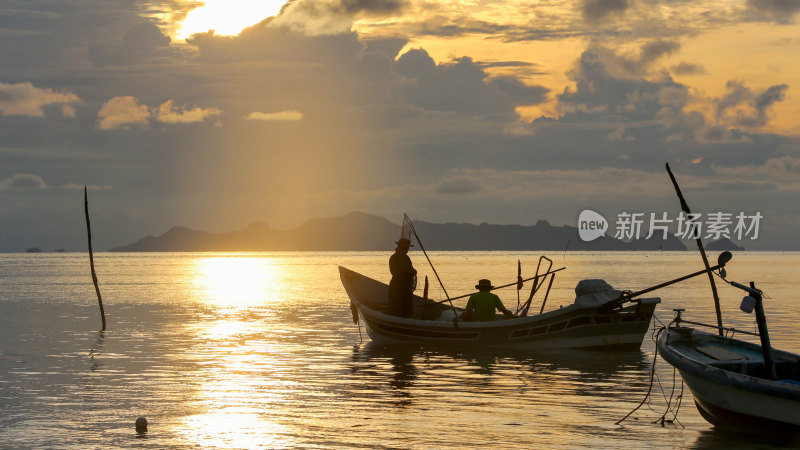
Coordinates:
654 378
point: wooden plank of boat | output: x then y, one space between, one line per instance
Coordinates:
719 353
573 326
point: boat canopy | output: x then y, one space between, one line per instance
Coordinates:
594 292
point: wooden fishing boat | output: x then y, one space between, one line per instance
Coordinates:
731 383
581 325
736 383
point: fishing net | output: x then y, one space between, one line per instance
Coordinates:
407 230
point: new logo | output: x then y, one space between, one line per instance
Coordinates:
591 225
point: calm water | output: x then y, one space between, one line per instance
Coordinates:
259 350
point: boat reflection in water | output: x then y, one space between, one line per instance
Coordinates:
413 368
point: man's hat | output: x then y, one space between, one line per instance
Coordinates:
484 284
403 242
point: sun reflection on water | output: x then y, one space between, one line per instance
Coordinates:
236 281
240 397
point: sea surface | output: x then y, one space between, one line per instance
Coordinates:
258 350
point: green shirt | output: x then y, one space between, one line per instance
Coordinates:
482 305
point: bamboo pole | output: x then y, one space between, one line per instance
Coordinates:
91 258
414 230
505 285
685 208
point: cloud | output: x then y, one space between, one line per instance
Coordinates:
79 187
620 135
120 112
614 86
288 115
141 42
23 181
654 50
25 99
167 113
781 11
686 68
321 17
270 42
458 185
742 107
380 7
633 65
521 93
461 86
784 168
594 10
617 91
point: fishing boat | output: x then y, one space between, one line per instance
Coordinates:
736 383
596 320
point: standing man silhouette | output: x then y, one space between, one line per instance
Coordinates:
404 276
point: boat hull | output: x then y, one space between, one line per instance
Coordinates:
726 391
571 327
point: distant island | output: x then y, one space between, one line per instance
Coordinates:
358 231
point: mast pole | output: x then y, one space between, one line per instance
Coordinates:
685 208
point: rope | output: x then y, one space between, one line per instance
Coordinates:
663 419
654 378
650 388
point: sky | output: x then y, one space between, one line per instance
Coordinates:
218 114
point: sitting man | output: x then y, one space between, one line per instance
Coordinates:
481 305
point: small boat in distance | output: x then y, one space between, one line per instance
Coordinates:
595 321
735 383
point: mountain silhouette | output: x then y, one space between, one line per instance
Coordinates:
359 231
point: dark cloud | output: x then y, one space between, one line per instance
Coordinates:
315 17
277 43
772 95
742 185
448 26
57 34
782 11
626 65
458 185
519 92
686 68
597 9
654 50
744 108
381 7
604 90
531 67
141 42
737 94
462 86
388 46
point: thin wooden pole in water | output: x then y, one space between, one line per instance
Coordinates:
685 208
91 258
